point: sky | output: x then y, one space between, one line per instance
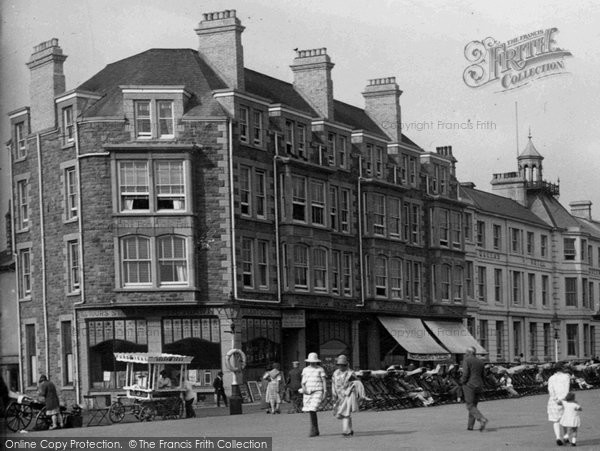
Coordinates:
421 43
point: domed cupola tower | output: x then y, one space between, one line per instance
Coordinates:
530 164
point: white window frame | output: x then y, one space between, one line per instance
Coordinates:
378 214
20 140
262 261
71 194
261 195
161 120
179 263
333 208
299 199
142 119
343 152
301 267
396 278
336 261
25 274
243 122
319 269
247 261
317 202
135 261
73 267
257 127
395 218
172 191
347 272
332 148
301 141
68 125
245 190
345 210
140 170
381 276
23 204
288 136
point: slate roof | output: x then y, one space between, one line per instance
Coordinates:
277 91
185 67
503 206
163 67
552 211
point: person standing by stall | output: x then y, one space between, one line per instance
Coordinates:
47 390
189 396
313 389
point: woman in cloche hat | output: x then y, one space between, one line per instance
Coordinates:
313 389
346 392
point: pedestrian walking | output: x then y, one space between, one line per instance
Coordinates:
346 391
47 391
219 390
472 380
294 383
558 389
274 380
189 396
570 419
313 389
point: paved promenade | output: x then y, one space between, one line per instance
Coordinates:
514 424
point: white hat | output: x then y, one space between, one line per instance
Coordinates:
313 358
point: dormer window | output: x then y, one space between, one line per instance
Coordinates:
289 136
154 119
165 119
20 140
68 127
143 123
301 140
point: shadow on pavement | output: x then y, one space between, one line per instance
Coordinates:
521 426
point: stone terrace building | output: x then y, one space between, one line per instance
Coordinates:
179 202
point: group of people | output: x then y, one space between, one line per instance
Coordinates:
347 391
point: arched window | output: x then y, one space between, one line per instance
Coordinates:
172 260
136 261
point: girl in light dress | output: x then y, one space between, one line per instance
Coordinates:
570 419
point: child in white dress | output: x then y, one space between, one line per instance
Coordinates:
570 419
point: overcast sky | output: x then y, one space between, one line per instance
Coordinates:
420 43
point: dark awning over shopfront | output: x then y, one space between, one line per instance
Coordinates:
411 334
454 336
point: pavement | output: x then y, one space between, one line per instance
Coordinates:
517 423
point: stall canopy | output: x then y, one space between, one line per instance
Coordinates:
411 334
454 336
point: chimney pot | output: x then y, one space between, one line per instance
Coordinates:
220 44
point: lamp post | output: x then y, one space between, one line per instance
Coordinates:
556 326
235 401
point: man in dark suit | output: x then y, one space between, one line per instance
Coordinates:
219 390
472 382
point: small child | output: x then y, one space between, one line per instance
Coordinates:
570 419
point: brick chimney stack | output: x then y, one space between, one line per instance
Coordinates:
312 77
220 43
581 209
47 81
382 104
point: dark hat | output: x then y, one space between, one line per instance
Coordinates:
43 378
220 373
